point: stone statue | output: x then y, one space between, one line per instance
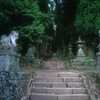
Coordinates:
9 58
13 37
9 42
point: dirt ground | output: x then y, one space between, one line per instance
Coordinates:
93 82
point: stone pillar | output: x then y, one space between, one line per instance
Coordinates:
98 55
98 60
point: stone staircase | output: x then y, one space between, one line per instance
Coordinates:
54 82
57 85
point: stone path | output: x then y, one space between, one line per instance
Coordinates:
55 83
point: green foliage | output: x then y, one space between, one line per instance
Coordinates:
88 60
61 54
88 16
25 17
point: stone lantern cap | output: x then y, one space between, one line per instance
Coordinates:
70 46
79 41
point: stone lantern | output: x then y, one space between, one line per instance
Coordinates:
70 54
80 53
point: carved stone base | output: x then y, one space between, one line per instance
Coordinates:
9 85
9 62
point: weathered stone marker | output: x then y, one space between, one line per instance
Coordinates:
9 58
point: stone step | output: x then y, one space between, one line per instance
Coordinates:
59 90
58 79
57 74
74 97
68 74
75 84
58 84
43 74
59 97
54 65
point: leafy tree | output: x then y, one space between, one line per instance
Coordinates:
88 19
88 16
25 17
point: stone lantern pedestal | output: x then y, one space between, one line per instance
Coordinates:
9 61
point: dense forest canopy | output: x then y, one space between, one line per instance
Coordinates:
50 29
88 20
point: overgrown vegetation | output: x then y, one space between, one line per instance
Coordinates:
26 18
88 21
34 22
